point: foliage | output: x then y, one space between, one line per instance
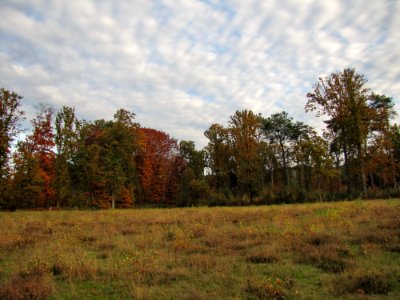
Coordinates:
10 116
255 159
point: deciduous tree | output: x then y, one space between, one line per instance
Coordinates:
342 97
10 116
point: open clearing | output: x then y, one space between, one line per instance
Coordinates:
313 251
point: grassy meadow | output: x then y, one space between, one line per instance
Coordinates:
346 250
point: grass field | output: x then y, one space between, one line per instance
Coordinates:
346 250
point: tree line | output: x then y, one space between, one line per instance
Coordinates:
65 162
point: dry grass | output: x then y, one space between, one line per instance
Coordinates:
327 250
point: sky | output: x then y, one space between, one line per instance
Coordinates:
182 65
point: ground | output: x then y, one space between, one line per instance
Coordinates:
346 250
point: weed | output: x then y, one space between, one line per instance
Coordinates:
265 289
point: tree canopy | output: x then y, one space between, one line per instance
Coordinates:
255 159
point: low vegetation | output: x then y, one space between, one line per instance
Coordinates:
343 250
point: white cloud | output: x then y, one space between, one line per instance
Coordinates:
182 65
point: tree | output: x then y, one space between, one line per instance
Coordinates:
10 116
342 97
217 155
314 163
41 144
195 159
105 163
66 137
156 162
28 185
280 129
245 133
381 164
193 186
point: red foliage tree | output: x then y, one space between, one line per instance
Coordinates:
41 144
156 164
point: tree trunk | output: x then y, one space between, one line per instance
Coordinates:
272 177
113 201
362 171
393 171
347 171
284 164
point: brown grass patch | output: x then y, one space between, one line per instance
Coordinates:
33 282
265 289
319 239
88 238
106 246
35 288
367 282
67 224
22 242
266 256
36 270
128 231
321 252
187 246
201 262
82 271
379 237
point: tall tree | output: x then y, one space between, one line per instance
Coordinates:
10 116
105 166
34 171
381 164
218 153
193 186
245 134
66 137
280 129
195 159
342 97
155 163
41 143
28 185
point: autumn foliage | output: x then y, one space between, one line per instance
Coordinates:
66 162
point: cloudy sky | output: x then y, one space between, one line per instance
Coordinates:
183 65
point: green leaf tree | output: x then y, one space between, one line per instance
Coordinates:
66 139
